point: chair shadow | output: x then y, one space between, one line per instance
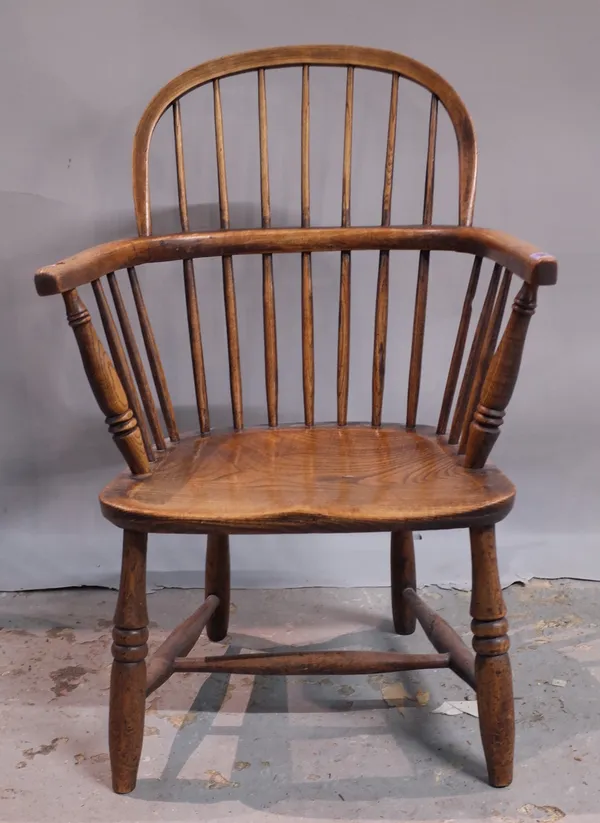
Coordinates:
269 696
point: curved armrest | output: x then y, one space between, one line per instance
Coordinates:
533 266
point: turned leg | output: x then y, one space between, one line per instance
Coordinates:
404 576
216 581
128 677
493 675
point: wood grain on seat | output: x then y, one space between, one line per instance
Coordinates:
354 478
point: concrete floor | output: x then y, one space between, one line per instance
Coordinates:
261 749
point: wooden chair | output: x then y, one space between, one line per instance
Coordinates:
347 477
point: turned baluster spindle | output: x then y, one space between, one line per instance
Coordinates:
308 333
383 274
489 346
474 356
233 344
106 386
501 379
459 347
189 280
156 367
270 328
416 354
136 362
344 310
121 365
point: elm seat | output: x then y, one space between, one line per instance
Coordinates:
355 478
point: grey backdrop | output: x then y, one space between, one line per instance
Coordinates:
75 76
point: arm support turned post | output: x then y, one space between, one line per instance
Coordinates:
500 381
107 387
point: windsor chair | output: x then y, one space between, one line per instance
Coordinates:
345 477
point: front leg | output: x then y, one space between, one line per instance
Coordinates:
128 677
493 676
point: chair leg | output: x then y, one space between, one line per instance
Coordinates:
493 675
404 576
128 677
216 581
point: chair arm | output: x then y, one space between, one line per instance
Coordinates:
526 261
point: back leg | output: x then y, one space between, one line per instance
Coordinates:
404 576
217 581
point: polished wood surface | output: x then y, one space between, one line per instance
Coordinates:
344 476
418 338
217 582
493 677
403 575
306 56
121 365
500 380
442 636
308 322
128 675
353 478
523 259
336 662
383 272
156 366
136 362
343 363
178 644
459 348
189 279
269 323
106 386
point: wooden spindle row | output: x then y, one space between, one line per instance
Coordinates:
189 279
459 347
485 337
343 369
383 273
416 354
270 329
121 365
106 386
308 323
473 358
489 346
233 345
156 367
136 362
148 421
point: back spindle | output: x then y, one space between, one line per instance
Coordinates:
189 280
473 358
233 345
120 363
136 362
382 300
308 334
344 311
416 354
270 328
487 352
156 367
459 347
